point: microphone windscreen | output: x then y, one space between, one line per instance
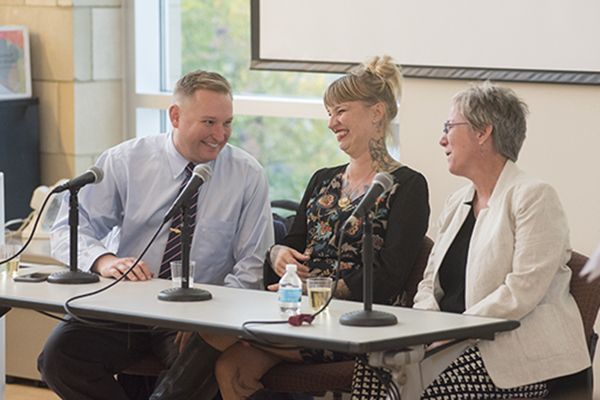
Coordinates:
385 179
98 173
203 171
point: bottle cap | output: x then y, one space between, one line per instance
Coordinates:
291 267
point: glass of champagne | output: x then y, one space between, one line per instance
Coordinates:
10 268
319 291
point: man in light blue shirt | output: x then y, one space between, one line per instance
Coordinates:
118 217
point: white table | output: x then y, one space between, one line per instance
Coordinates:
136 302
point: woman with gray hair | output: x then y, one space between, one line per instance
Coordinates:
501 251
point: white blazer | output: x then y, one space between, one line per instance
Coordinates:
516 269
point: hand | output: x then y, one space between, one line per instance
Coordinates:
182 339
110 266
283 255
438 344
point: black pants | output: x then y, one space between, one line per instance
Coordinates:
79 361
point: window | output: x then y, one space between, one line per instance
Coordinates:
279 116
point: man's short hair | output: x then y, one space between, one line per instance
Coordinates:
200 80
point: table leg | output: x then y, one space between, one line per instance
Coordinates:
404 366
3 311
413 370
2 357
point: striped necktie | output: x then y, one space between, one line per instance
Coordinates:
173 248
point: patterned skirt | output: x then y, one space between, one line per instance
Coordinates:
465 379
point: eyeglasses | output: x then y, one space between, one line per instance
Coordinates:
448 125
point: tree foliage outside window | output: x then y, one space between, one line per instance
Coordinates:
216 36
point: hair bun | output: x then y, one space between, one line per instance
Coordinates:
387 70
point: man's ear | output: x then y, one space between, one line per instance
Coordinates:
174 114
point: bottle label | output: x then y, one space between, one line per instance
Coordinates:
290 295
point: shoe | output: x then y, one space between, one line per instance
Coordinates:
192 375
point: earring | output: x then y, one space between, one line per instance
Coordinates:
375 121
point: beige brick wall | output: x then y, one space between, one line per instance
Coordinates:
76 74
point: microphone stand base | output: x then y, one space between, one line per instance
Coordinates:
73 277
184 294
368 318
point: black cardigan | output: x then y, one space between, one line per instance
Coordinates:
407 223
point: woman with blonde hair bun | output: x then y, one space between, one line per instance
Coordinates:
361 106
378 80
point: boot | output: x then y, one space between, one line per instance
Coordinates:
192 375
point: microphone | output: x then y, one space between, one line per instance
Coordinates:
382 182
93 175
200 175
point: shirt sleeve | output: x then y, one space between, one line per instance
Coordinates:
254 234
99 212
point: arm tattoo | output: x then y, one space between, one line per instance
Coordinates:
273 254
342 292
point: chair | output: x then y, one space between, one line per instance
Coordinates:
579 386
319 378
287 205
282 226
416 275
587 296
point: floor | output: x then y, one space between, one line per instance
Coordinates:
22 391
25 391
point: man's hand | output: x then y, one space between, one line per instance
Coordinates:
109 266
283 255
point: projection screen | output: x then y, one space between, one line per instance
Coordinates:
556 41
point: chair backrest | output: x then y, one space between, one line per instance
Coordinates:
587 295
416 275
281 226
288 205
279 230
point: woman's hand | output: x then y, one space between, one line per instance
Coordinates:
438 344
283 255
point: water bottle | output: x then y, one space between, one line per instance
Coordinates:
290 291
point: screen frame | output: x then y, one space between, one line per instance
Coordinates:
416 71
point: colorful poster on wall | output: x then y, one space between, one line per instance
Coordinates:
15 67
